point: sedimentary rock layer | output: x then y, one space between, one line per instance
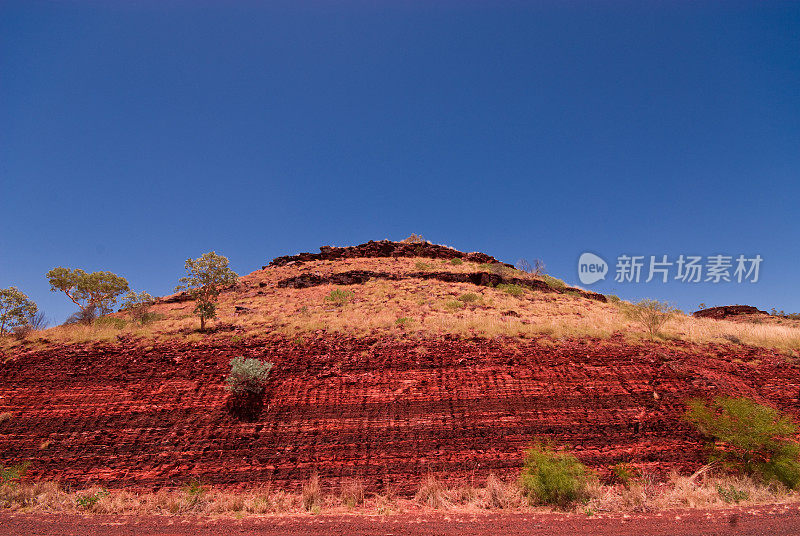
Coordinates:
385 410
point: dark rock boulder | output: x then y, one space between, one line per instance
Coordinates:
726 311
385 248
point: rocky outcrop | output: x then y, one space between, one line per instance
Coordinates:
726 311
485 279
385 248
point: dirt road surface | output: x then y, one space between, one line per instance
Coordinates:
774 520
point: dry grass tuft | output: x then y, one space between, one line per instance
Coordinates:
502 494
312 494
353 493
431 492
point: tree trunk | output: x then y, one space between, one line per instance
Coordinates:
202 323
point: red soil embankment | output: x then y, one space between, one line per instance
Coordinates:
385 410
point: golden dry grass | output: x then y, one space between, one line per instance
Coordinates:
642 495
704 492
411 306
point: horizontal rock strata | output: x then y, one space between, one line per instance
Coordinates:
388 411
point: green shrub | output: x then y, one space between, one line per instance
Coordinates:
454 305
469 297
514 290
13 474
505 271
613 298
456 262
403 321
749 438
194 491
247 375
731 494
339 297
423 266
625 473
553 283
553 478
111 322
88 501
138 304
650 314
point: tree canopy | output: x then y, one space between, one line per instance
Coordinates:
16 309
205 277
86 290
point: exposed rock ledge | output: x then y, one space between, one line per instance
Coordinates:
385 248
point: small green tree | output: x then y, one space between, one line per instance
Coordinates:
137 304
748 437
650 314
205 277
88 290
16 309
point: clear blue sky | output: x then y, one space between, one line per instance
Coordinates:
136 134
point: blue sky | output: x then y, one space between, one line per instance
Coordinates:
136 134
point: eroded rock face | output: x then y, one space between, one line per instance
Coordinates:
384 248
485 279
726 311
386 410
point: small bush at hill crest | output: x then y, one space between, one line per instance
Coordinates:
553 283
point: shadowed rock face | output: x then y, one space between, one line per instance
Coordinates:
485 279
387 410
385 248
726 311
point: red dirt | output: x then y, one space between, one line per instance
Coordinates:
778 520
388 411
